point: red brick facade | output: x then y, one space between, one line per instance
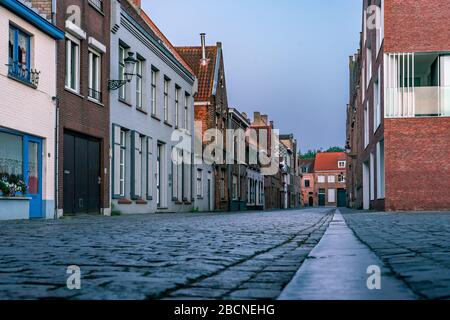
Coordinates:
417 164
76 112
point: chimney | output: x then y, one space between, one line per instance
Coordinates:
203 41
265 118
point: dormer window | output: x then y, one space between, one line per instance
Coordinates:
342 164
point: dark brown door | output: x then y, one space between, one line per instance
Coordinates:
82 177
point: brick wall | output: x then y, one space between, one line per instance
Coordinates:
44 7
417 164
417 25
77 112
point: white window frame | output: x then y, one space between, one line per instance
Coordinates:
372 176
366 125
166 100
177 105
95 74
123 162
342 164
122 70
331 179
154 86
331 195
186 111
139 84
199 183
70 42
321 179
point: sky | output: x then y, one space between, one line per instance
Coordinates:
284 58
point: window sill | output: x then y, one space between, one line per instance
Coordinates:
168 124
99 10
26 83
141 110
142 202
2 198
69 90
125 102
97 102
124 201
155 117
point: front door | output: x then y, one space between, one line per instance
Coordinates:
33 177
322 198
342 198
82 177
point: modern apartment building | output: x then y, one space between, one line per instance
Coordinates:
28 42
152 108
402 109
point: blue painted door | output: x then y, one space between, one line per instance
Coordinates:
33 175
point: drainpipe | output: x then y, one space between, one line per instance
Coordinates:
229 115
56 100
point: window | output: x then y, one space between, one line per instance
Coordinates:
199 183
235 188
342 164
122 163
139 69
138 157
222 184
94 76
186 112
97 4
304 169
331 179
261 192
381 170
307 184
177 94
122 71
19 55
11 156
331 195
372 176
369 66
154 77
321 179
150 172
72 64
377 103
366 126
341 178
166 100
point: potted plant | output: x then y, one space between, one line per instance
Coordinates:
9 187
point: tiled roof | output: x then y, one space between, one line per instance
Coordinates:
308 163
204 73
165 41
329 161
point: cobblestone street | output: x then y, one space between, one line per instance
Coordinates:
415 246
231 256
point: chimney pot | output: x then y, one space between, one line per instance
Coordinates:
203 42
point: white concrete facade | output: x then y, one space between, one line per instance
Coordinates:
144 179
28 110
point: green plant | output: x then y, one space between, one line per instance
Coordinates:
11 185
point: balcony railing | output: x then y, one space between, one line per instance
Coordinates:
418 102
98 4
94 94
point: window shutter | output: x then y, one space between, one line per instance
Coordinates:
116 161
138 166
175 176
150 172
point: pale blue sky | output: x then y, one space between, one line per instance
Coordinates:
286 58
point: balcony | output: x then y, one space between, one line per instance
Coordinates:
21 73
417 85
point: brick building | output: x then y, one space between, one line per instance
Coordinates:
211 106
330 179
291 174
272 183
402 106
83 104
308 196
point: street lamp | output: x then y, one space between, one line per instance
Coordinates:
130 67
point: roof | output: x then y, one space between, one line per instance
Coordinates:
308 163
327 161
166 41
205 73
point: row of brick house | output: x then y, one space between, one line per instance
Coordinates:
323 180
101 114
398 117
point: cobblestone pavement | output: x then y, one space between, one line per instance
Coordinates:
228 256
416 246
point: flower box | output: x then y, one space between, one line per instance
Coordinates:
14 208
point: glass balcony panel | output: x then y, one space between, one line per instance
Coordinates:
427 101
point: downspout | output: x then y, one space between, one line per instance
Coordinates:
56 99
230 194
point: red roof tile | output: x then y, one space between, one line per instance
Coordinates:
329 161
204 73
